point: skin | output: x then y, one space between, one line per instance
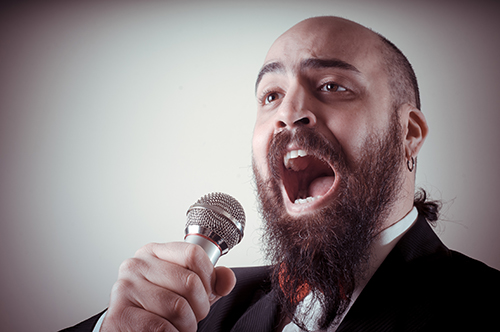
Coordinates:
166 287
171 286
345 105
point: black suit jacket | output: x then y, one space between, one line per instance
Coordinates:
421 286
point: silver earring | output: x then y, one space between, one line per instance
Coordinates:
412 166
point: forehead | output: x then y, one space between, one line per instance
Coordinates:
327 38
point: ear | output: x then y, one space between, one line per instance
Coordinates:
415 125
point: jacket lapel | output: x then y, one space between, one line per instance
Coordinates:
249 307
384 304
261 317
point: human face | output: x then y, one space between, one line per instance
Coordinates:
325 74
336 240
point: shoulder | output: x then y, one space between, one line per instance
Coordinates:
423 253
423 259
463 293
472 279
443 283
472 268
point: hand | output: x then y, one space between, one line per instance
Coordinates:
166 287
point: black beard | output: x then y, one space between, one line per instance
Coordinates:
328 251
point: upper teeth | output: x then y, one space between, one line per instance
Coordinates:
293 155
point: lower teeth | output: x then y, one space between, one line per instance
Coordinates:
306 200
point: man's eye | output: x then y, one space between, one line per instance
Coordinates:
271 97
332 87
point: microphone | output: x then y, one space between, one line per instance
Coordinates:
216 223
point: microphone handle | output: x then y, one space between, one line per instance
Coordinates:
211 248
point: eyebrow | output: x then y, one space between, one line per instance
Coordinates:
311 63
272 67
314 63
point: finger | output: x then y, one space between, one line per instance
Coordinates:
142 273
224 282
184 254
163 303
135 319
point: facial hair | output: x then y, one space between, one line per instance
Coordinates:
328 251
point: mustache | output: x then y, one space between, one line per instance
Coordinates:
309 139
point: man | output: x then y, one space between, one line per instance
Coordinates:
337 134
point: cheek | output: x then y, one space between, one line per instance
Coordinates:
260 147
353 132
352 139
349 133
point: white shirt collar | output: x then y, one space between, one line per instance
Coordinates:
395 231
388 238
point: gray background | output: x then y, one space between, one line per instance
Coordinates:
116 116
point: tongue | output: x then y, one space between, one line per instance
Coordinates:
320 186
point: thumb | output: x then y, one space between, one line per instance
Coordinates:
223 283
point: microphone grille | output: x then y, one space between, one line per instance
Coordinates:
220 213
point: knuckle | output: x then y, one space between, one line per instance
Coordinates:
122 294
204 310
193 283
131 319
121 286
130 265
195 255
117 319
197 293
148 249
179 313
160 326
181 309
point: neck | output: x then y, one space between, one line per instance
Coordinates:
403 205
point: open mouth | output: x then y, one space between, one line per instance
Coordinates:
306 177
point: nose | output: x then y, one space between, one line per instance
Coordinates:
296 110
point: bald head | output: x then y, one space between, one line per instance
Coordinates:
326 35
332 25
